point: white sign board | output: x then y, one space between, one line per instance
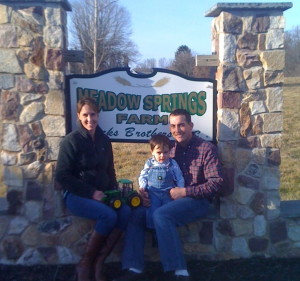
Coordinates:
133 107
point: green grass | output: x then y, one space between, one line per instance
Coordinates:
130 157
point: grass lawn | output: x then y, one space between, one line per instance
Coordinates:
130 157
290 150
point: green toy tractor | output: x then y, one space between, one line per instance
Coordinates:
125 194
113 198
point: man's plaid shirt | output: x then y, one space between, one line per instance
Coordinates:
200 166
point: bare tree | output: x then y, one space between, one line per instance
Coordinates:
145 66
165 63
184 60
292 52
102 30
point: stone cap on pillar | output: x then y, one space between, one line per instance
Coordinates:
229 7
64 3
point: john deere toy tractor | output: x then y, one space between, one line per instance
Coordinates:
125 194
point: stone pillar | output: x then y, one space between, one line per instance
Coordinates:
249 41
32 40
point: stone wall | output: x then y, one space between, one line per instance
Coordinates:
249 40
32 38
34 226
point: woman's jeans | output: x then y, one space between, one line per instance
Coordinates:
166 220
106 217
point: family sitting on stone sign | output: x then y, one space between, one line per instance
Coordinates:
85 169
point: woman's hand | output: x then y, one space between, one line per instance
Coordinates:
177 192
145 197
98 195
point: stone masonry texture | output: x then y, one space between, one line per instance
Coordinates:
36 228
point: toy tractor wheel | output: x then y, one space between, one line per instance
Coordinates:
134 200
115 203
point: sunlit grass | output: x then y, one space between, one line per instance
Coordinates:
290 150
3 188
130 159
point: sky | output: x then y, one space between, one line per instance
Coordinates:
159 27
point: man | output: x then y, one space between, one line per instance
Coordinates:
201 169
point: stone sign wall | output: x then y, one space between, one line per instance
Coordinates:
34 226
249 40
32 38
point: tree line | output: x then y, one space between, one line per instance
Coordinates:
292 52
102 29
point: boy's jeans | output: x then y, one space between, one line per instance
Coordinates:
158 198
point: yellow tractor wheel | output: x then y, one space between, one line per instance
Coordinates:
116 203
134 201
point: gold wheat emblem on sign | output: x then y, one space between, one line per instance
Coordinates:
159 83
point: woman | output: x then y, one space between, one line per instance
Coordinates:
85 169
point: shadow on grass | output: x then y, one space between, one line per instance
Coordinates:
291 85
254 269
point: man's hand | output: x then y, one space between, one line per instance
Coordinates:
98 195
145 198
177 192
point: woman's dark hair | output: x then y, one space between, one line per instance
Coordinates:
160 140
87 101
177 112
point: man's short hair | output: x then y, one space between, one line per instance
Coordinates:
160 140
184 112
